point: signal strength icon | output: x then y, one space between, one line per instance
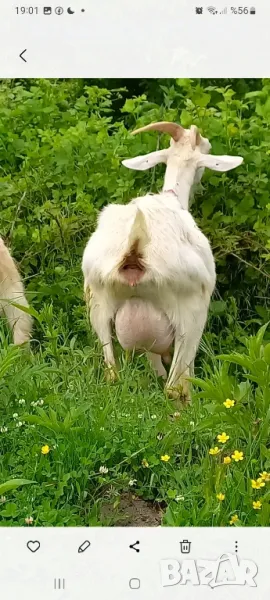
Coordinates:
224 12
212 10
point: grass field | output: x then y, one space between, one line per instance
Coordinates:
88 445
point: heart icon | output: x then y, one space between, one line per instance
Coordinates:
33 546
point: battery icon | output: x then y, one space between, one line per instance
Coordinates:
253 10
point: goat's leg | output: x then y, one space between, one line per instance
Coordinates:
101 313
20 322
156 362
188 332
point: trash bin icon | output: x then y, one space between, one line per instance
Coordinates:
185 546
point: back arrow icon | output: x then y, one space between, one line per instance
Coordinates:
21 55
133 546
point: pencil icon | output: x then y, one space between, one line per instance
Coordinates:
84 546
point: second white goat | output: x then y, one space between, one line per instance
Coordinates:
11 294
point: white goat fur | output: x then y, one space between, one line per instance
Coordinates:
179 275
12 290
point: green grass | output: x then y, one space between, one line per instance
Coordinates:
56 395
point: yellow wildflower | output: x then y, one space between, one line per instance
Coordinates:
45 449
227 460
165 457
237 456
223 438
257 483
234 519
265 476
257 505
221 496
229 403
214 451
145 464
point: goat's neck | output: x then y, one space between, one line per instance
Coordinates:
180 180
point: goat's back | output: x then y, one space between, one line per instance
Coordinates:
177 249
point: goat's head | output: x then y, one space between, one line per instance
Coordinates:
187 147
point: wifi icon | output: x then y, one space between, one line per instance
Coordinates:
212 10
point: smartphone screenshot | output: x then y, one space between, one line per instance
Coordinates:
134 300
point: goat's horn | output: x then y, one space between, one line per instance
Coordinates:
195 136
173 129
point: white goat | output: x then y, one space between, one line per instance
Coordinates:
12 291
148 269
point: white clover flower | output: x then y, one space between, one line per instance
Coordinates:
132 482
21 402
3 429
179 498
41 402
103 470
19 424
102 428
15 415
153 417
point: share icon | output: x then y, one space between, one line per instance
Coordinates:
132 546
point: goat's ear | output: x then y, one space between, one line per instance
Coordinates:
142 163
220 163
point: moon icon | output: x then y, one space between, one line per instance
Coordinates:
70 11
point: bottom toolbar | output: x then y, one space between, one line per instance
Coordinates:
144 564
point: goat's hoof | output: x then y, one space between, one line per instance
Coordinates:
111 374
180 393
